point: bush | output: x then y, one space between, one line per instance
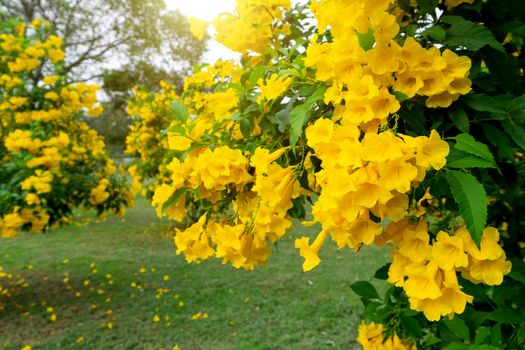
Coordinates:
398 123
50 160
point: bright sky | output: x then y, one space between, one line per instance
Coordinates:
207 10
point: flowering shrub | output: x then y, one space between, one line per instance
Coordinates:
50 160
395 122
144 141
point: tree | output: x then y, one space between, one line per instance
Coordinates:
121 43
111 34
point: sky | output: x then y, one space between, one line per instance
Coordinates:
207 10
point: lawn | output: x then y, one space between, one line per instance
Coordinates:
118 284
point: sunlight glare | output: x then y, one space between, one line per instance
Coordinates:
202 9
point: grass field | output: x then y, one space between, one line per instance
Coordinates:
118 284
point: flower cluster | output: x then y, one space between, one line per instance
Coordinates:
258 215
428 271
253 27
155 112
361 78
371 337
363 177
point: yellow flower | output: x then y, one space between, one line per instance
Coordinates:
320 132
446 98
432 151
50 80
194 242
178 142
95 111
199 315
371 334
262 158
51 95
198 27
55 55
36 23
414 243
448 251
397 174
310 252
273 87
161 196
489 247
424 284
490 272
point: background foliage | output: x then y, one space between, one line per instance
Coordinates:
118 44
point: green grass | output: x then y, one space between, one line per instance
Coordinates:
273 307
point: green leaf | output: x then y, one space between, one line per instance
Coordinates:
246 127
496 336
516 132
174 199
180 111
366 40
400 96
470 35
458 327
467 143
179 129
301 113
484 103
521 334
428 6
377 312
483 347
482 333
472 200
456 346
500 140
365 290
506 316
382 273
256 74
405 5
412 326
505 70
413 116
517 276
462 160
282 118
516 104
460 118
431 340
436 32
